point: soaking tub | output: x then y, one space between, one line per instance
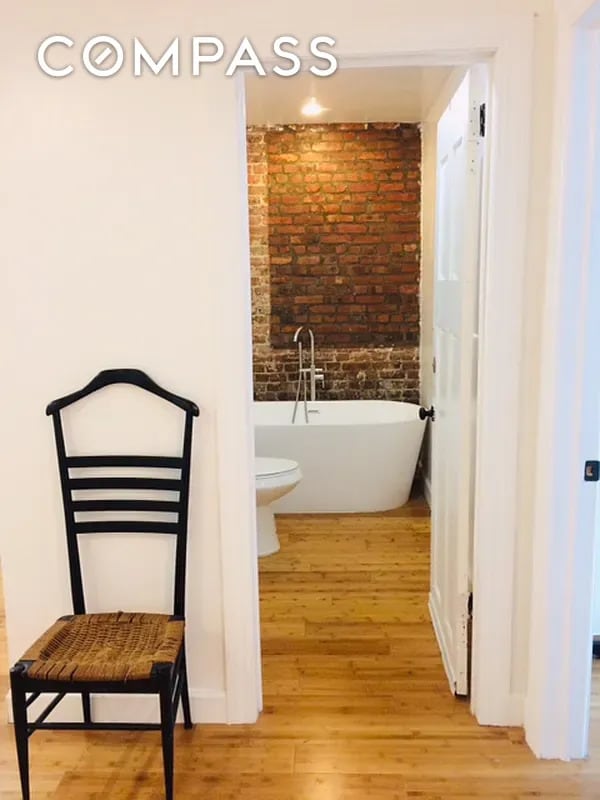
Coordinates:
355 455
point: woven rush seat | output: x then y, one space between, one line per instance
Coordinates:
105 647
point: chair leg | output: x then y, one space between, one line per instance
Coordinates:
167 725
20 724
185 695
87 707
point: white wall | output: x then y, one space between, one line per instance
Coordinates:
596 590
121 204
596 607
557 703
115 226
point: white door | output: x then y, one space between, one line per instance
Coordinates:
456 297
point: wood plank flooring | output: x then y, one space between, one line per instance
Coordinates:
356 701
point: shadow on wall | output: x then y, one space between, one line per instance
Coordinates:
335 226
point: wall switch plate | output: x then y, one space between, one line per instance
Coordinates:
592 471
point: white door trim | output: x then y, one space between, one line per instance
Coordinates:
500 343
235 453
512 43
558 695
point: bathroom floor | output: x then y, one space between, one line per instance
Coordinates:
356 701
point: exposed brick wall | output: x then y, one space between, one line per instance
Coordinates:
344 232
359 293
371 373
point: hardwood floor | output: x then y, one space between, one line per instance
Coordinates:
356 701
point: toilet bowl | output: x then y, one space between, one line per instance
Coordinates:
274 477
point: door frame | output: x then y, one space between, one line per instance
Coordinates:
559 680
508 44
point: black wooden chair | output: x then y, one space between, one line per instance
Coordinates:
117 652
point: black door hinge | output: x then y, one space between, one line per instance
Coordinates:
470 605
482 120
592 471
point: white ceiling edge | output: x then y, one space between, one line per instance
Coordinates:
358 94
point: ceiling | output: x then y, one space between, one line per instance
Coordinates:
385 94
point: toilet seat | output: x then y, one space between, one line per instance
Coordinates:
273 467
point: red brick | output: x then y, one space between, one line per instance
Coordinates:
352 228
327 147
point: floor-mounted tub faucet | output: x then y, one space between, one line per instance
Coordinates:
315 374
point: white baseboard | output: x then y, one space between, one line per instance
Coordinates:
427 490
208 706
511 715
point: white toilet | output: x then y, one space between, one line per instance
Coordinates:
275 477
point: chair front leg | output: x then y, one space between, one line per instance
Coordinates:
19 707
164 673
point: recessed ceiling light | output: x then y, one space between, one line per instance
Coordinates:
312 108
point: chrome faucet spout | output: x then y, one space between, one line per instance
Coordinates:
311 336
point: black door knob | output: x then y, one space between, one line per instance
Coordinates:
425 413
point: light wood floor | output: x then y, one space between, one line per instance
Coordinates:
356 701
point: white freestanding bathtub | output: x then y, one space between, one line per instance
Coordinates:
355 455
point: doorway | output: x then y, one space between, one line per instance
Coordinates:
494 698
295 238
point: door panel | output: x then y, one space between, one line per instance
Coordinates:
460 154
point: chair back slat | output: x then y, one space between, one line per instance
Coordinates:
164 506
125 526
123 482
103 507
158 462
